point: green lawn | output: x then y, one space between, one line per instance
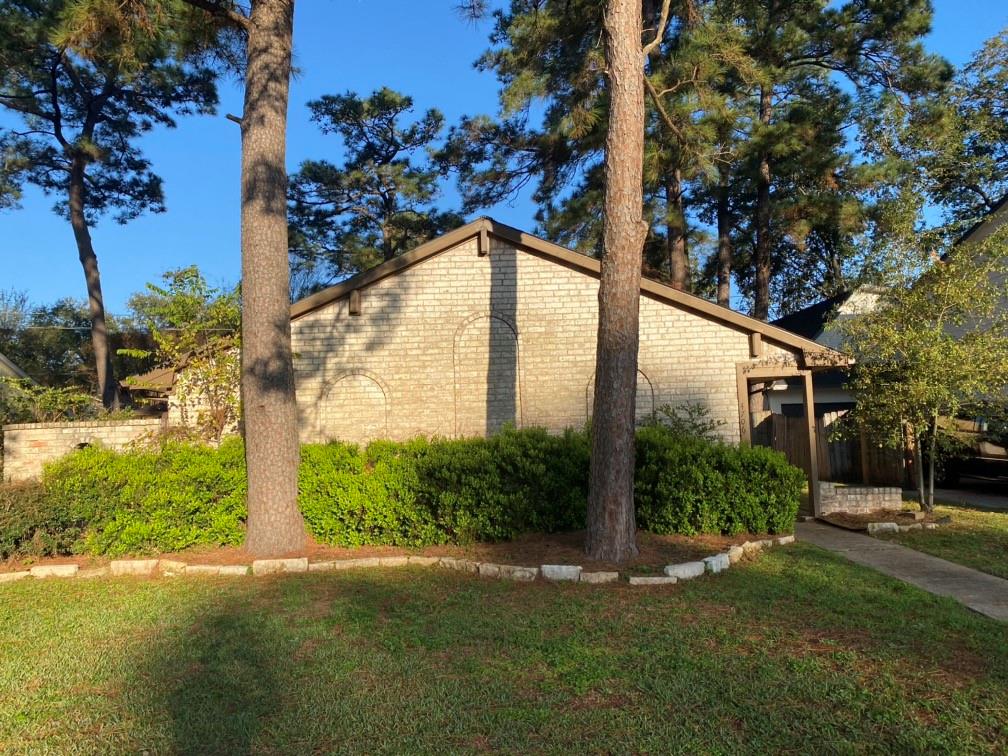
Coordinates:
797 650
975 538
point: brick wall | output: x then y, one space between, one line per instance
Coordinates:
859 499
460 344
28 446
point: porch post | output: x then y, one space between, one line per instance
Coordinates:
745 424
815 495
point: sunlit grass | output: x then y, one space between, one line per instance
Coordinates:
975 538
797 650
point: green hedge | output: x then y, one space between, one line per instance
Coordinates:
688 485
415 493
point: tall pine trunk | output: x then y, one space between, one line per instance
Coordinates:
108 386
724 229
761 257
275 525
612 531
675 209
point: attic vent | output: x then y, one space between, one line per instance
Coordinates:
355 302
483 245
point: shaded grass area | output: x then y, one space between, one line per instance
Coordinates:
974 538
797 650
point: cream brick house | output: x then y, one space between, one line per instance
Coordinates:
487 325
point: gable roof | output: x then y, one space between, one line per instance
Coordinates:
9 370
811 321
483 228
986 225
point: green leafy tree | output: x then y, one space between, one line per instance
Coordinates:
936 344
378 203
24 401
52 343
196 331
735 88
549 53
957 141
82 118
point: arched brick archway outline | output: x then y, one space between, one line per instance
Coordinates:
381 423
457 365
648 386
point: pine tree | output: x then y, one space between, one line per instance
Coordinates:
83 118
265 33
378 203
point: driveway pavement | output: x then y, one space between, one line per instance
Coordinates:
979 591
977 499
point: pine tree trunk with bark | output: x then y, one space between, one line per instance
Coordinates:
108 386
676 231
724 245
612 532
275 524
761 256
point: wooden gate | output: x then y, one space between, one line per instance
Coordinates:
841 460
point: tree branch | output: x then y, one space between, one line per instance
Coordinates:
57 119
656 98
225 14
660 31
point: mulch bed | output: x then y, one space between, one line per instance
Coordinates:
860 522
533 550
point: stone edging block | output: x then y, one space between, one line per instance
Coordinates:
642 580
717 563
686 570
564 572
142 567
275 566
599 577
554 572
54 570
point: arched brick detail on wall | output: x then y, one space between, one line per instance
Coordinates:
488 374
645 402
354 407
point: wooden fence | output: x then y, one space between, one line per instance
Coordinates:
841 460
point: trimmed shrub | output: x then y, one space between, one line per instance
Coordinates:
162 499
31 524
687 485
445 491
416 493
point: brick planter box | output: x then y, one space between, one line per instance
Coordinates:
859 499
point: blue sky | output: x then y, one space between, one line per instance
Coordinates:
423 49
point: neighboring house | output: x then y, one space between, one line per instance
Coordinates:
169 390
783 398
487 326
9 370
816 322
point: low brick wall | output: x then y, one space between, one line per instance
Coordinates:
28 446
858 499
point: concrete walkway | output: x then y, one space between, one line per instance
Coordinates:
979 591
